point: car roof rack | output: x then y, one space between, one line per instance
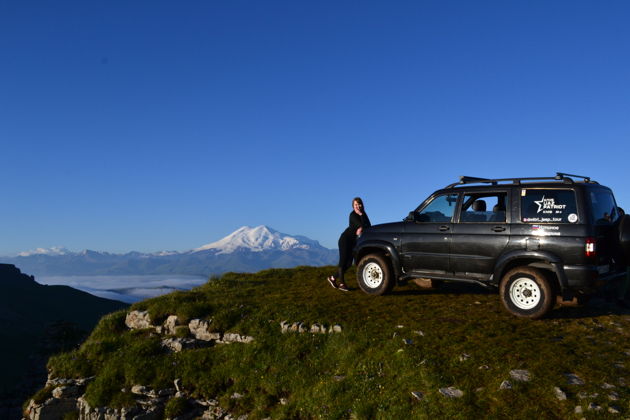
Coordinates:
560 176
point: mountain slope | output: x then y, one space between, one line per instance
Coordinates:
452 352
36 320
245 250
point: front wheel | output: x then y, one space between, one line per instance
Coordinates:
526 293
374 275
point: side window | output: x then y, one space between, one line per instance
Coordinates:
603 207
440 209
484 208
548 206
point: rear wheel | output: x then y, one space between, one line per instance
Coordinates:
526 293
374 275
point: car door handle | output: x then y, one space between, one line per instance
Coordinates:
498 229
444 228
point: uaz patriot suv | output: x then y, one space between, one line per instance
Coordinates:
537 240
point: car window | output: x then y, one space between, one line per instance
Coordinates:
440 209
603 207
548 206
484 208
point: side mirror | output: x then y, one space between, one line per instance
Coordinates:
411 217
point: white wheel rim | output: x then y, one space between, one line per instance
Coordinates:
372 275
525 293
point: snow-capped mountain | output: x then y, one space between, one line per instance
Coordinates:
258 239
247 249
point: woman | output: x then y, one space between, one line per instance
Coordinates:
358 221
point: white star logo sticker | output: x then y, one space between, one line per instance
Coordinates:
540 204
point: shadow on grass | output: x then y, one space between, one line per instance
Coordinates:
597 305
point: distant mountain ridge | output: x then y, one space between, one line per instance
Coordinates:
247 249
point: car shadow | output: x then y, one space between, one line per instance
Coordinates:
597 305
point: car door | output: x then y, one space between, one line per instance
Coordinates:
426 240
480 234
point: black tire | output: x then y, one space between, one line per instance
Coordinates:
526 293
374 275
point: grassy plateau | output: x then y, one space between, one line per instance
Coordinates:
390 360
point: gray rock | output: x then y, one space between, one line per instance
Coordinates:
202 330
520 375
613 396
407 341
178 384
53 408
420 333
138 320
463 357
606 385
236 338
578 409
70 391
484 367
179 344
451 392
284 326
573 379
613 409
505 385
594 407
417 395
335 329
171 324
559 393
140 390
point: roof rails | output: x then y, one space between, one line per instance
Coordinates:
560 176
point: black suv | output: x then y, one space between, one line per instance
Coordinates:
536 239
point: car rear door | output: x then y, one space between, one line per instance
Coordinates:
480 236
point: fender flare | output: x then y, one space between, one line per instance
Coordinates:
386 247
553 260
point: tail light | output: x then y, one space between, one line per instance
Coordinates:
589 249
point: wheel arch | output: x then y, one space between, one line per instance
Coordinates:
547 262
385 249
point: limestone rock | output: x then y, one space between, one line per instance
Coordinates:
520 375
559 393
170 325
236 338
573 379
284 326
417 395
505 385
52 408
66 391
451 392
178 344
202 331
138 320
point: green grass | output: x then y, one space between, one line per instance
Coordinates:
367 371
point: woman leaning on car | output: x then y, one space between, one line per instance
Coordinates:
358 220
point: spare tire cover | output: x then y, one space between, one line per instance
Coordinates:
624 236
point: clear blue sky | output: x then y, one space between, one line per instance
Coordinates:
154 125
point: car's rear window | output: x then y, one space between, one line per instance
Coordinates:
603 206
548 206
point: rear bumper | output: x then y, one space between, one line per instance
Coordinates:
590 278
